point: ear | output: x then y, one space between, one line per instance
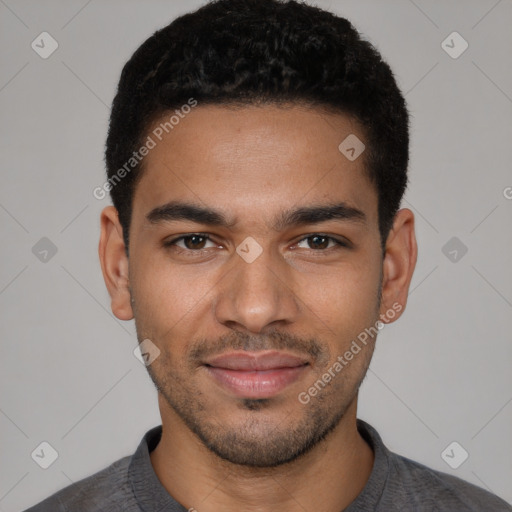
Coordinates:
398 266
114 263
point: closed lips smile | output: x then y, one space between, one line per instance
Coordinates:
255 374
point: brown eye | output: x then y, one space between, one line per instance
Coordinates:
321 242
193 242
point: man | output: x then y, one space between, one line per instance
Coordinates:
256 159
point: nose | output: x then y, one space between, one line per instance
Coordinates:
254 295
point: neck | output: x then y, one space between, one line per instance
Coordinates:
328 477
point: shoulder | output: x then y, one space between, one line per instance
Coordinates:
428 489
106 490
399 483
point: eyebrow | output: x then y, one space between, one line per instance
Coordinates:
177 210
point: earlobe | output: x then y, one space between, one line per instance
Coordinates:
398 266
114 263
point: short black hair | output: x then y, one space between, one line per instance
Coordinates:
251 52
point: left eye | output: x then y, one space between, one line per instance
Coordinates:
319 242
191 242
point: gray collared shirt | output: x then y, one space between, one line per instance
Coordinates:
395 484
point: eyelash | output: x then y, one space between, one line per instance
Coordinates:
172 243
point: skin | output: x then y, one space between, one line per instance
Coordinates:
307 297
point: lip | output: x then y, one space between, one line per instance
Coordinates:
256 361
256 374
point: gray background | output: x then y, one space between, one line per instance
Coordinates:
68 374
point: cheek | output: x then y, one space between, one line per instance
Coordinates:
344 300
167 295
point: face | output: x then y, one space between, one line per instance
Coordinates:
255 262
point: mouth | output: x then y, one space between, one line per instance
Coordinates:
256 374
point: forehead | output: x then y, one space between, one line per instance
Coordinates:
254 161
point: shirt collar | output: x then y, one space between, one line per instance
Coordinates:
369 497
152 496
